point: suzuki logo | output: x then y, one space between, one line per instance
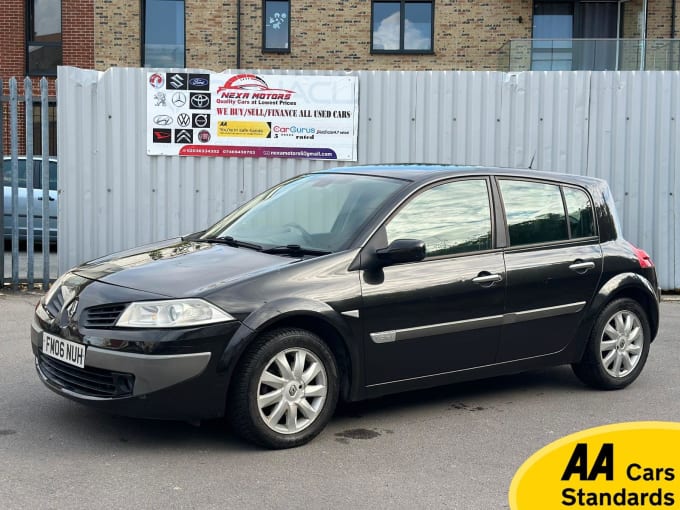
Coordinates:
176 81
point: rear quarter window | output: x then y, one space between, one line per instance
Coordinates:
579 212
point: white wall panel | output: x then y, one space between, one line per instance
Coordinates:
620 126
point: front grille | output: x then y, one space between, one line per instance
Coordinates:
102 316
90 381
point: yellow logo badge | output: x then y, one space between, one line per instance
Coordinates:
626 465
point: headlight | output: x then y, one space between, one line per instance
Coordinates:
53 289
174 313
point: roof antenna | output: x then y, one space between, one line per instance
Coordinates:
531 164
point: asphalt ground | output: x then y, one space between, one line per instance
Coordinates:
455 447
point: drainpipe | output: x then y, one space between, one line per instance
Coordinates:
238 34
643 45
673 19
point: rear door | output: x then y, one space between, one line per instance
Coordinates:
553 264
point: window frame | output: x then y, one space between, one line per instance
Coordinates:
560 185
493 215
30 23
142 39
402 21
265 48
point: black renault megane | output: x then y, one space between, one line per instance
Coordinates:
354 283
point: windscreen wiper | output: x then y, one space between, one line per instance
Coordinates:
294 249
230 241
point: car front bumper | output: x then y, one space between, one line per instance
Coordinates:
163 384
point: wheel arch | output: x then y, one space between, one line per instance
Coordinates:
319 319
624 285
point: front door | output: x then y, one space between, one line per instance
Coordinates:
444 313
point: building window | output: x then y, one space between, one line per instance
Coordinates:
406 26
276 26
43 37
163 33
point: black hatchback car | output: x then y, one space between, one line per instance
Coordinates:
354 283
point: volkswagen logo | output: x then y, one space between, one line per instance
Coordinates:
179 99
201 101
162 120
183 120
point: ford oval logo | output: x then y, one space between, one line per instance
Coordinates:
198 82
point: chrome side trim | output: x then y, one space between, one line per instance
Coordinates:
382 337
351 313
543 313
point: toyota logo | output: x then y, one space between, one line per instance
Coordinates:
200 100
179 99
162 120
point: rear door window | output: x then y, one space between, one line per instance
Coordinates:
7 172
534 212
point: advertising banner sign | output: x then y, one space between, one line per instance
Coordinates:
250 116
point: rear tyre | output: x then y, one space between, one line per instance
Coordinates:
618 347
285 389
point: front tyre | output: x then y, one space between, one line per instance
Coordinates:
618 346
285 389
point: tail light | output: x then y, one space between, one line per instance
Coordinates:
643 257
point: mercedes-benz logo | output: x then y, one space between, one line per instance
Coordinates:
179 99
200 100
183 120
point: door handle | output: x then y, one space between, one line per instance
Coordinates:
582 266
489 278
51 199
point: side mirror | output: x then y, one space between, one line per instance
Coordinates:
401 250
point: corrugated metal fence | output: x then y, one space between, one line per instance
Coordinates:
621 126
26 179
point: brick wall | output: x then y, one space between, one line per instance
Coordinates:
117 32
77 24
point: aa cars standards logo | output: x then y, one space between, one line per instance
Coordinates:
625 465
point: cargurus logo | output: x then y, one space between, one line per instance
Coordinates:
295 130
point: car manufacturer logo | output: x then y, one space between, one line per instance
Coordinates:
201 120
204 136
179 99
71 310
199 82
184 136
159 99
156 80
200 101
162 120
162 135
183 119
177 81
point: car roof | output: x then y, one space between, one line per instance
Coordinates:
428 172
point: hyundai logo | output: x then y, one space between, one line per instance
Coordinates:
162 120
198 82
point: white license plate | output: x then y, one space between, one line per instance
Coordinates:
64 350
